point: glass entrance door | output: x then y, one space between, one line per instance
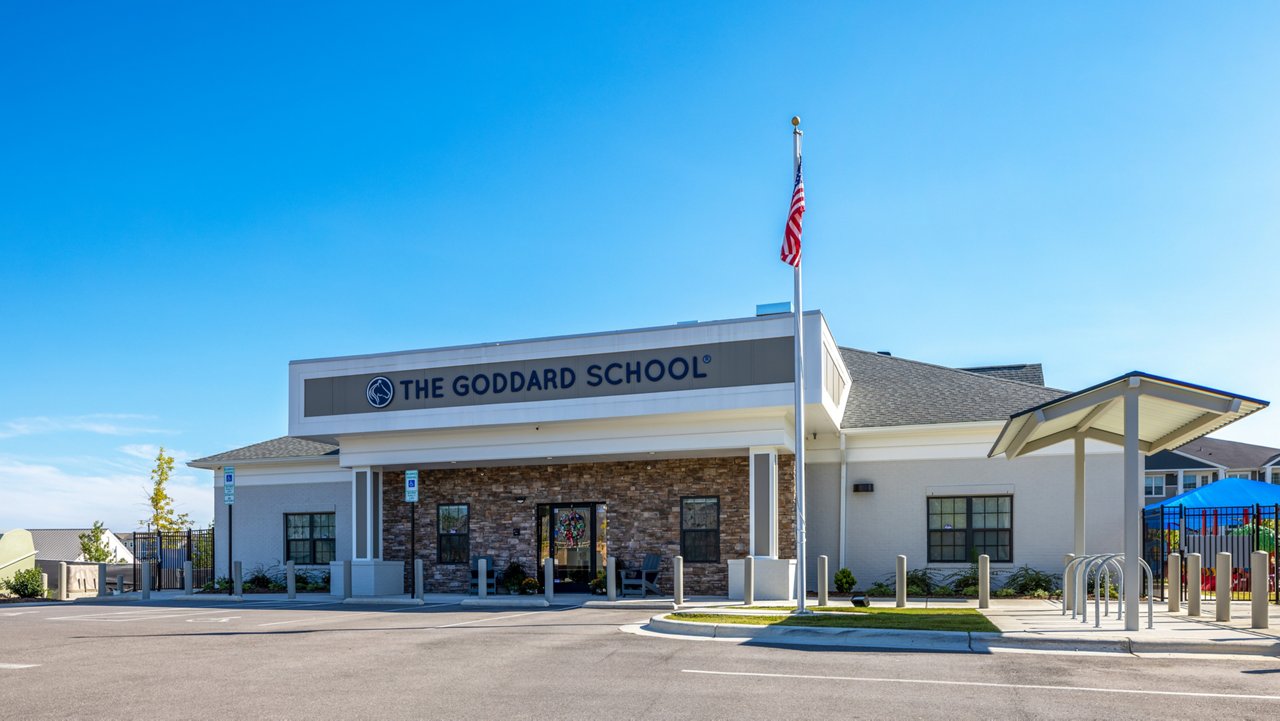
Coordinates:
573 535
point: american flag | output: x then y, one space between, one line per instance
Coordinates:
791 238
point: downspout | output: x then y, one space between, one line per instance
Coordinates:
844 498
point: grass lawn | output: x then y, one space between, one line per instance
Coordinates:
912 619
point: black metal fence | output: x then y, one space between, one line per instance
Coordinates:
1238 530
168 552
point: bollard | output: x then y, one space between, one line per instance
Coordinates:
1222 587
237 579
482 577
677 571
822 581
749 581
102 580
62 581
188 583
346 579
1174 583
1259 564
1068 584
146 580
44 585
984 581
120 585
900 588
417 578
549 578
291 579
1194 580
611 578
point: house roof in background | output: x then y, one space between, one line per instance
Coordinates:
57 544
885 390
1231 454
282 448
1032 373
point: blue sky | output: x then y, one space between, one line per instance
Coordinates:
193 196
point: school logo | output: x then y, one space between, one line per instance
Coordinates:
379 392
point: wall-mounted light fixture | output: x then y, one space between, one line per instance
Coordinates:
519 499
864 487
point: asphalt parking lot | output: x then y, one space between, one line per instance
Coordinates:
272 659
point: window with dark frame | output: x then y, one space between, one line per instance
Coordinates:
453 533
309 538
700 529
961 528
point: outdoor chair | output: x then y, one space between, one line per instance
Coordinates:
643 579
491 575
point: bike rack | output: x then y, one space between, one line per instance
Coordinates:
1098 567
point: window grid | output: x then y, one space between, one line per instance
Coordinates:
310 538
700 529
453 533
961 528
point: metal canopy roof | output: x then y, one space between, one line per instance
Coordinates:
1170 414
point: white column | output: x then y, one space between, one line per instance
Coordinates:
1132 509
1079 546
611 578
844 499
1174 585
984 581
1193 584
763 502
677 570
900 582
1222 587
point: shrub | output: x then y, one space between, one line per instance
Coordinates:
1005 593
844 581
25 584
598 583
530 586
880 588
513 577
968 591
1026 581
926 582
962 581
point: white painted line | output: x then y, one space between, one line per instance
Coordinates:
986 684
130 616
15 666
220 619
350 615
17 613
482 620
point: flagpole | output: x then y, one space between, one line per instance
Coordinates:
801 585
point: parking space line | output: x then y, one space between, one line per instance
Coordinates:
356 614
15 666
989 684
138 615
479 620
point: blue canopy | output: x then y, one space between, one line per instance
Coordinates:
1227 492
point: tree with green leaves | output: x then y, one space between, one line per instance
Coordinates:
163 517
93 545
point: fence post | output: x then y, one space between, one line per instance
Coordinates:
237 579
549 578
482 577
291 579
611 578
1068 584
102 580
1222 587
346 579
1194 580
1174 569
677 571
188 583
984 581
1259 569
900 587
749 581
417 578
146 580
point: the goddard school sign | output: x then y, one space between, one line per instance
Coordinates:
712 365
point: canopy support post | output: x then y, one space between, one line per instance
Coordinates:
1080 496
1132 508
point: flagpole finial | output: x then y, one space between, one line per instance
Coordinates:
795 120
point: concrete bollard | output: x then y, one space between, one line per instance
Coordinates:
188 583
1194 580
120 585
291 579
900 587
1068 583
237 579
749 581
103 590
611 578
346 579
984 581
482 577
1259 564
1174 582
1222 587
677 571
822 580
549 578
44 585
62 580
146 580
417 578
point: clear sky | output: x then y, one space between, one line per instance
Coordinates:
190 197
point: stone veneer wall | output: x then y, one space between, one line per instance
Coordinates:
643 512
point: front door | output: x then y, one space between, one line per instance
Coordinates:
573 535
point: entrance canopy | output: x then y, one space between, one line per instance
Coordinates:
1170 413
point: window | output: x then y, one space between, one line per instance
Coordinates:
1154 485
1240 474
1275 477
453 533
1192 480
961 528
700 529
309 538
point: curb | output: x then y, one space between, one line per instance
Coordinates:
633 605
378 601
506 602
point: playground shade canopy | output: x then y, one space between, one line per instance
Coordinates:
1229 492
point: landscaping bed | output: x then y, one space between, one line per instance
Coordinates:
903 619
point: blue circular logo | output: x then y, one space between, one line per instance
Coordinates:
706 359
379 392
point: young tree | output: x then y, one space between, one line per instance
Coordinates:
163 517
93 544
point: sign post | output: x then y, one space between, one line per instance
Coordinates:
411 497
229 498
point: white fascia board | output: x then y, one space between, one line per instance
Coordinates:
287 473
213 466
938 441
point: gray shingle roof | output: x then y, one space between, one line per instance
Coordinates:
890 391
1032 373
276 448
1232 454
57 544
